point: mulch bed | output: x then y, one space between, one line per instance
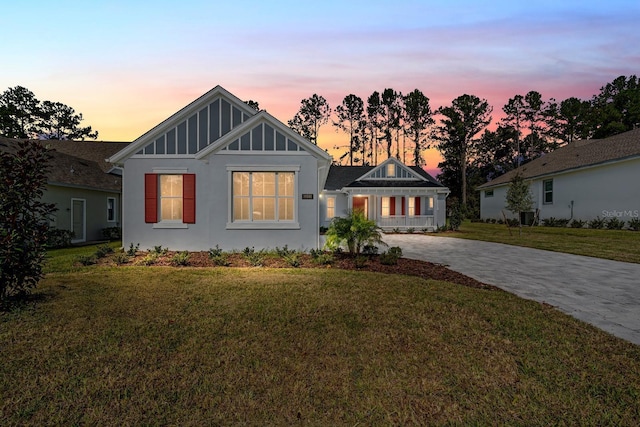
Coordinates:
411 267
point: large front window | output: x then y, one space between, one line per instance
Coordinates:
386 206
263 196
171 197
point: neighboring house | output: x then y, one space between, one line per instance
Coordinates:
396 196
583 180
218 172
79 183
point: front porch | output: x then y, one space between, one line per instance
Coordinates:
416 210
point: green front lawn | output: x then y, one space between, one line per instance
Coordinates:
619 245
257 346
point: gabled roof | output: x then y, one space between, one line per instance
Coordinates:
232 141
194 113
341 177
577 155
69 170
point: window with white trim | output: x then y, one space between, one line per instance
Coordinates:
263 196
171 197
386 206
412 206
111 209
331 207
547 186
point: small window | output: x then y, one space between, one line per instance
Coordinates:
488 193
111 209
547 186
331 207
391 170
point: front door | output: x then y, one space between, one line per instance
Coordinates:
361 204
78 220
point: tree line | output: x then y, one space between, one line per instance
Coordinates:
22 115
391 124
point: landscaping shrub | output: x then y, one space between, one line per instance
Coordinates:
315 253
411 230
614 224
150 259
57 238
103 250
577 223
112 233
361 261
159 250
456 217
391 256
354 230
256 259
180 258
121 258
133 249
597 223
324 259
369 250
634 224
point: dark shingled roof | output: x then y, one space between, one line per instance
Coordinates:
577 155
346 177
85 169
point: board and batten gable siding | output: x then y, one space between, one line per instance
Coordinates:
197 131
602 191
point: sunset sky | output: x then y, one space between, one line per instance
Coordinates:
128 65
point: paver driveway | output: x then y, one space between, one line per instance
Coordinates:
601 292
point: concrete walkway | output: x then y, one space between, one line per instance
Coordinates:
603 293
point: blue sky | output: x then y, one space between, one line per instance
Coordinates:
127 65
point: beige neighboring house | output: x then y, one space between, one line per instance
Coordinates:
84 187
582 180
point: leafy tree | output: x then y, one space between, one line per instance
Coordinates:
19 113
568 120
60 121
462 121
25 218
391 111
519 198
22 115
374 112
418 116
354 230
616 108
314 112
350 115
253 104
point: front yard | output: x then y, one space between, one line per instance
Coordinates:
618 245
137 345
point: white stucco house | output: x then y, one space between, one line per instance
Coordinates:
218 172
394 195
583 180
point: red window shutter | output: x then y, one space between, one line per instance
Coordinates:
189 198
392 206
403 208
417 207
150 197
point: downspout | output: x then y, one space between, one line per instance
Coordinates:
571 206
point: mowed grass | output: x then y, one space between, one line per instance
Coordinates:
185 346
618 245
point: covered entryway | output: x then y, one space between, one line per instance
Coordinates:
79 220
361 204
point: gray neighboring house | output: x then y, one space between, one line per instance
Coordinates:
394 195
218 172
582 180
85 189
